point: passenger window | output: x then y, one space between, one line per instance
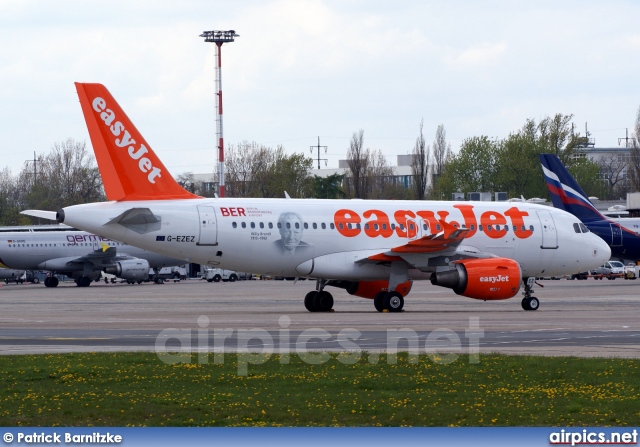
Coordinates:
531 227
297 226
341 226
234 225
315 226
384 226
288 225
261 224
279 225
438 227
324 226
244 225
489 228
332 226
253 225
480 227
270 225
306 226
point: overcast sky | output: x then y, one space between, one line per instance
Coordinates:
302 69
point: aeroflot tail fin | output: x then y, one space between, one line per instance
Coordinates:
565 192
130 169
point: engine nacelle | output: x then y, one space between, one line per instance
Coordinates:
482 279
130 269
369 289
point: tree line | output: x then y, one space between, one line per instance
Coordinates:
68 175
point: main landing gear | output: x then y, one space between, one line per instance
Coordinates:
389 301
51 281
529 302
319 300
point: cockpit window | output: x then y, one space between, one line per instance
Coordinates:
584 228
576 227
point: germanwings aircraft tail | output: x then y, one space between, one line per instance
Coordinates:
566 194
130 169
371 248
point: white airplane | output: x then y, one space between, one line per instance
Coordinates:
371 248
77 254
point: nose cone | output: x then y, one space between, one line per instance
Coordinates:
600 249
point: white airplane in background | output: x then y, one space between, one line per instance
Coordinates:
371 248
77 254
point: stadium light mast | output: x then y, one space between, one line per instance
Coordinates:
219 37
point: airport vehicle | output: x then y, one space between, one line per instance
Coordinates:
217 275
76 254
372 248
609 270
622 234
18 276
175 273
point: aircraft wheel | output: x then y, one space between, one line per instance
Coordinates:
393 301
323 301
53 282
378 301
531 303
47 280
308 301
83 282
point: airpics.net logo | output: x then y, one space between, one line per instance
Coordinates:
494 279
255 346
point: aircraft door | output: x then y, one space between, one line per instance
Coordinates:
616 235
208 225
549 233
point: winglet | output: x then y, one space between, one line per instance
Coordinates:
130 169
566 194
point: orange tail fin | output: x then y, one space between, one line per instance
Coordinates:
130 169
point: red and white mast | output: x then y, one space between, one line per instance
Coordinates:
219 37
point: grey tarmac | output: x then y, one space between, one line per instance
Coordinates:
576 318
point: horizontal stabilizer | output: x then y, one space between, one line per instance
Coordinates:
49 215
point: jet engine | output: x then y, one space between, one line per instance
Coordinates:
482 279
369 289
130 269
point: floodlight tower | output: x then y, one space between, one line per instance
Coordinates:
219 37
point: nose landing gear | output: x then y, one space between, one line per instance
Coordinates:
529 302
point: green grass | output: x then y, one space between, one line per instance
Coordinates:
124 389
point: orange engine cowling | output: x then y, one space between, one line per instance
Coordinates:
369 289
482 279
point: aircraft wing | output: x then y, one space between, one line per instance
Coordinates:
418 251
102 257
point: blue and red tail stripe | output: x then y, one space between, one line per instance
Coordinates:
566 194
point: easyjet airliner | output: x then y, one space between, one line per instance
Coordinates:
371 248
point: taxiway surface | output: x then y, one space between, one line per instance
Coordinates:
577 318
